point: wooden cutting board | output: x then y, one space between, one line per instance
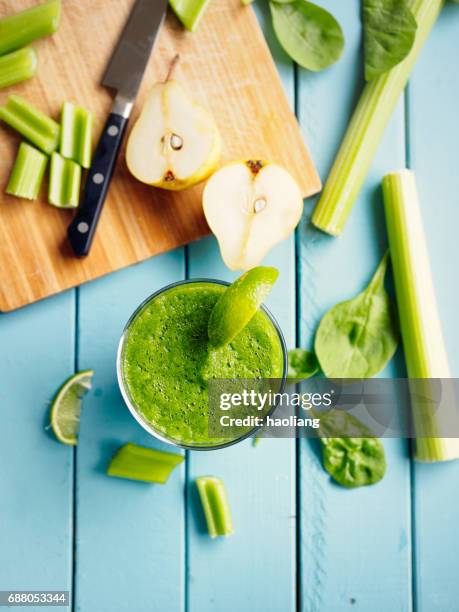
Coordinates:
227 66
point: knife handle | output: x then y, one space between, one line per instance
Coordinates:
82 229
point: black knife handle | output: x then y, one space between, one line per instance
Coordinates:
82 229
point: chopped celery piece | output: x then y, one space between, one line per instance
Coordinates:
189 12
366 128
27 174
64 182
76 134
34 125
423 343
139 463
214 501
20 29
17 66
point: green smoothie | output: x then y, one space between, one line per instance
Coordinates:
166 360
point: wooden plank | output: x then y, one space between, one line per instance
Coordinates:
355 545
434 133
255 569
237 80
36 355
130 536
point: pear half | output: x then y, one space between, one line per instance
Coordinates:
251 206
175 142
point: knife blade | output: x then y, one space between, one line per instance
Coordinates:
124 74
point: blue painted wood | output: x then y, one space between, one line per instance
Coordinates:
130 535
36 355
130 540
355 545
433 138
255 569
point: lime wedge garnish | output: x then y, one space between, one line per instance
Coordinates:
239 303
66 406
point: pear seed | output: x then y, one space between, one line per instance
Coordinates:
176 142
259 205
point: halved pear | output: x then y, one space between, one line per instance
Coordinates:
175 142
250 206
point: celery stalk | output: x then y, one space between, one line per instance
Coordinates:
423 343
366 128
146 464
215 504
18 66
76 134
34 125
189 12
64 182
20 29
27 174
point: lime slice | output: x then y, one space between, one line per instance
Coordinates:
239 303
66 406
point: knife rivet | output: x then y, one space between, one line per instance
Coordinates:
83 227
98 178
113 130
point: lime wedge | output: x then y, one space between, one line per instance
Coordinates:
239 303
66 406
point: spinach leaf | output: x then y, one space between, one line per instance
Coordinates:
354 462
338 423
389 34
309 34
302 364
357 338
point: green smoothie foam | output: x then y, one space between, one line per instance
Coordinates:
167 361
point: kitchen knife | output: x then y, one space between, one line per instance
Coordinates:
124 74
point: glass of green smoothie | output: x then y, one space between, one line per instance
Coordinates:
165 361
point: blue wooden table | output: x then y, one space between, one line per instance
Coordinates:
301 543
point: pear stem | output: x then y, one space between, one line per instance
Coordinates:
172 66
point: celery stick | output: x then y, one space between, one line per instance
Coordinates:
189 12
27 174
18 66
214 501
34 125
64 182
139 463
76 134
366 128
423 343
20 29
